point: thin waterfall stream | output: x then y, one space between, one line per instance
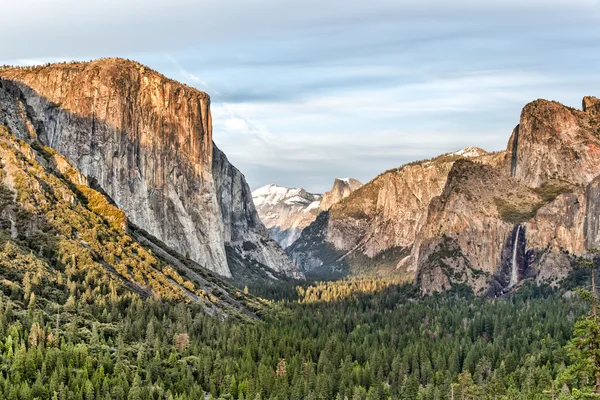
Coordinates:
514 272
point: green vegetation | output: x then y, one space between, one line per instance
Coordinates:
91 308
69 228
551 190
356 339
517 211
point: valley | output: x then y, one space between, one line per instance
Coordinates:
136 262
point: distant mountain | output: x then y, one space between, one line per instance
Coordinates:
342 188
486 220
146 141
287 211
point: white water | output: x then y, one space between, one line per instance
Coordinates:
514 273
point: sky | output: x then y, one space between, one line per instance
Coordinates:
306 91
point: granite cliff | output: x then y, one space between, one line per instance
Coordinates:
485 220
368 230
58 229
530 216
146 141
342 188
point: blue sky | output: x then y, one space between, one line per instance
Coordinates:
305 91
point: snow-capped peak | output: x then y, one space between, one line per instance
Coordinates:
274 194
470 151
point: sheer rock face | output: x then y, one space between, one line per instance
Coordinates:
475 218
383 215
243 229
555 142
465 232
591 104
342 188
147 142
547 187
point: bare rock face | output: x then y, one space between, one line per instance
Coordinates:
486 221
342 188
530 214
475 218
147 142
377 223
243 230
591 104
556 143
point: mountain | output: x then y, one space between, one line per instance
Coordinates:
287 211
69 244
342 188
530 216
485 220
366 232
146 141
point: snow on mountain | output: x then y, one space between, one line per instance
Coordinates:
287 211
470 152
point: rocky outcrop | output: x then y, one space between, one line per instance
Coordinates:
477 214
532 215
486 221
244 232
342 188
556 143
592 217
591 104
147 142
52 220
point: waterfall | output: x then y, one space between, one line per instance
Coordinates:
514 272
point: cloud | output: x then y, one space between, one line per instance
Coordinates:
188 75
303 91
362 132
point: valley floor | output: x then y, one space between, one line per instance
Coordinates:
361 339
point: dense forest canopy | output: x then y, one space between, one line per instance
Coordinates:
355 339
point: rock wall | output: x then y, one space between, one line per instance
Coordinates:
556 142
342 188
382 215
147 142
547 186
457 216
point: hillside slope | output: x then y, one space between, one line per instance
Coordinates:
367 232
70 244
147 142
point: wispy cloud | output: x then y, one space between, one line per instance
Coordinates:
299 96
189 75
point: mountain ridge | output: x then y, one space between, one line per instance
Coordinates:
472 217
147 142
287 211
